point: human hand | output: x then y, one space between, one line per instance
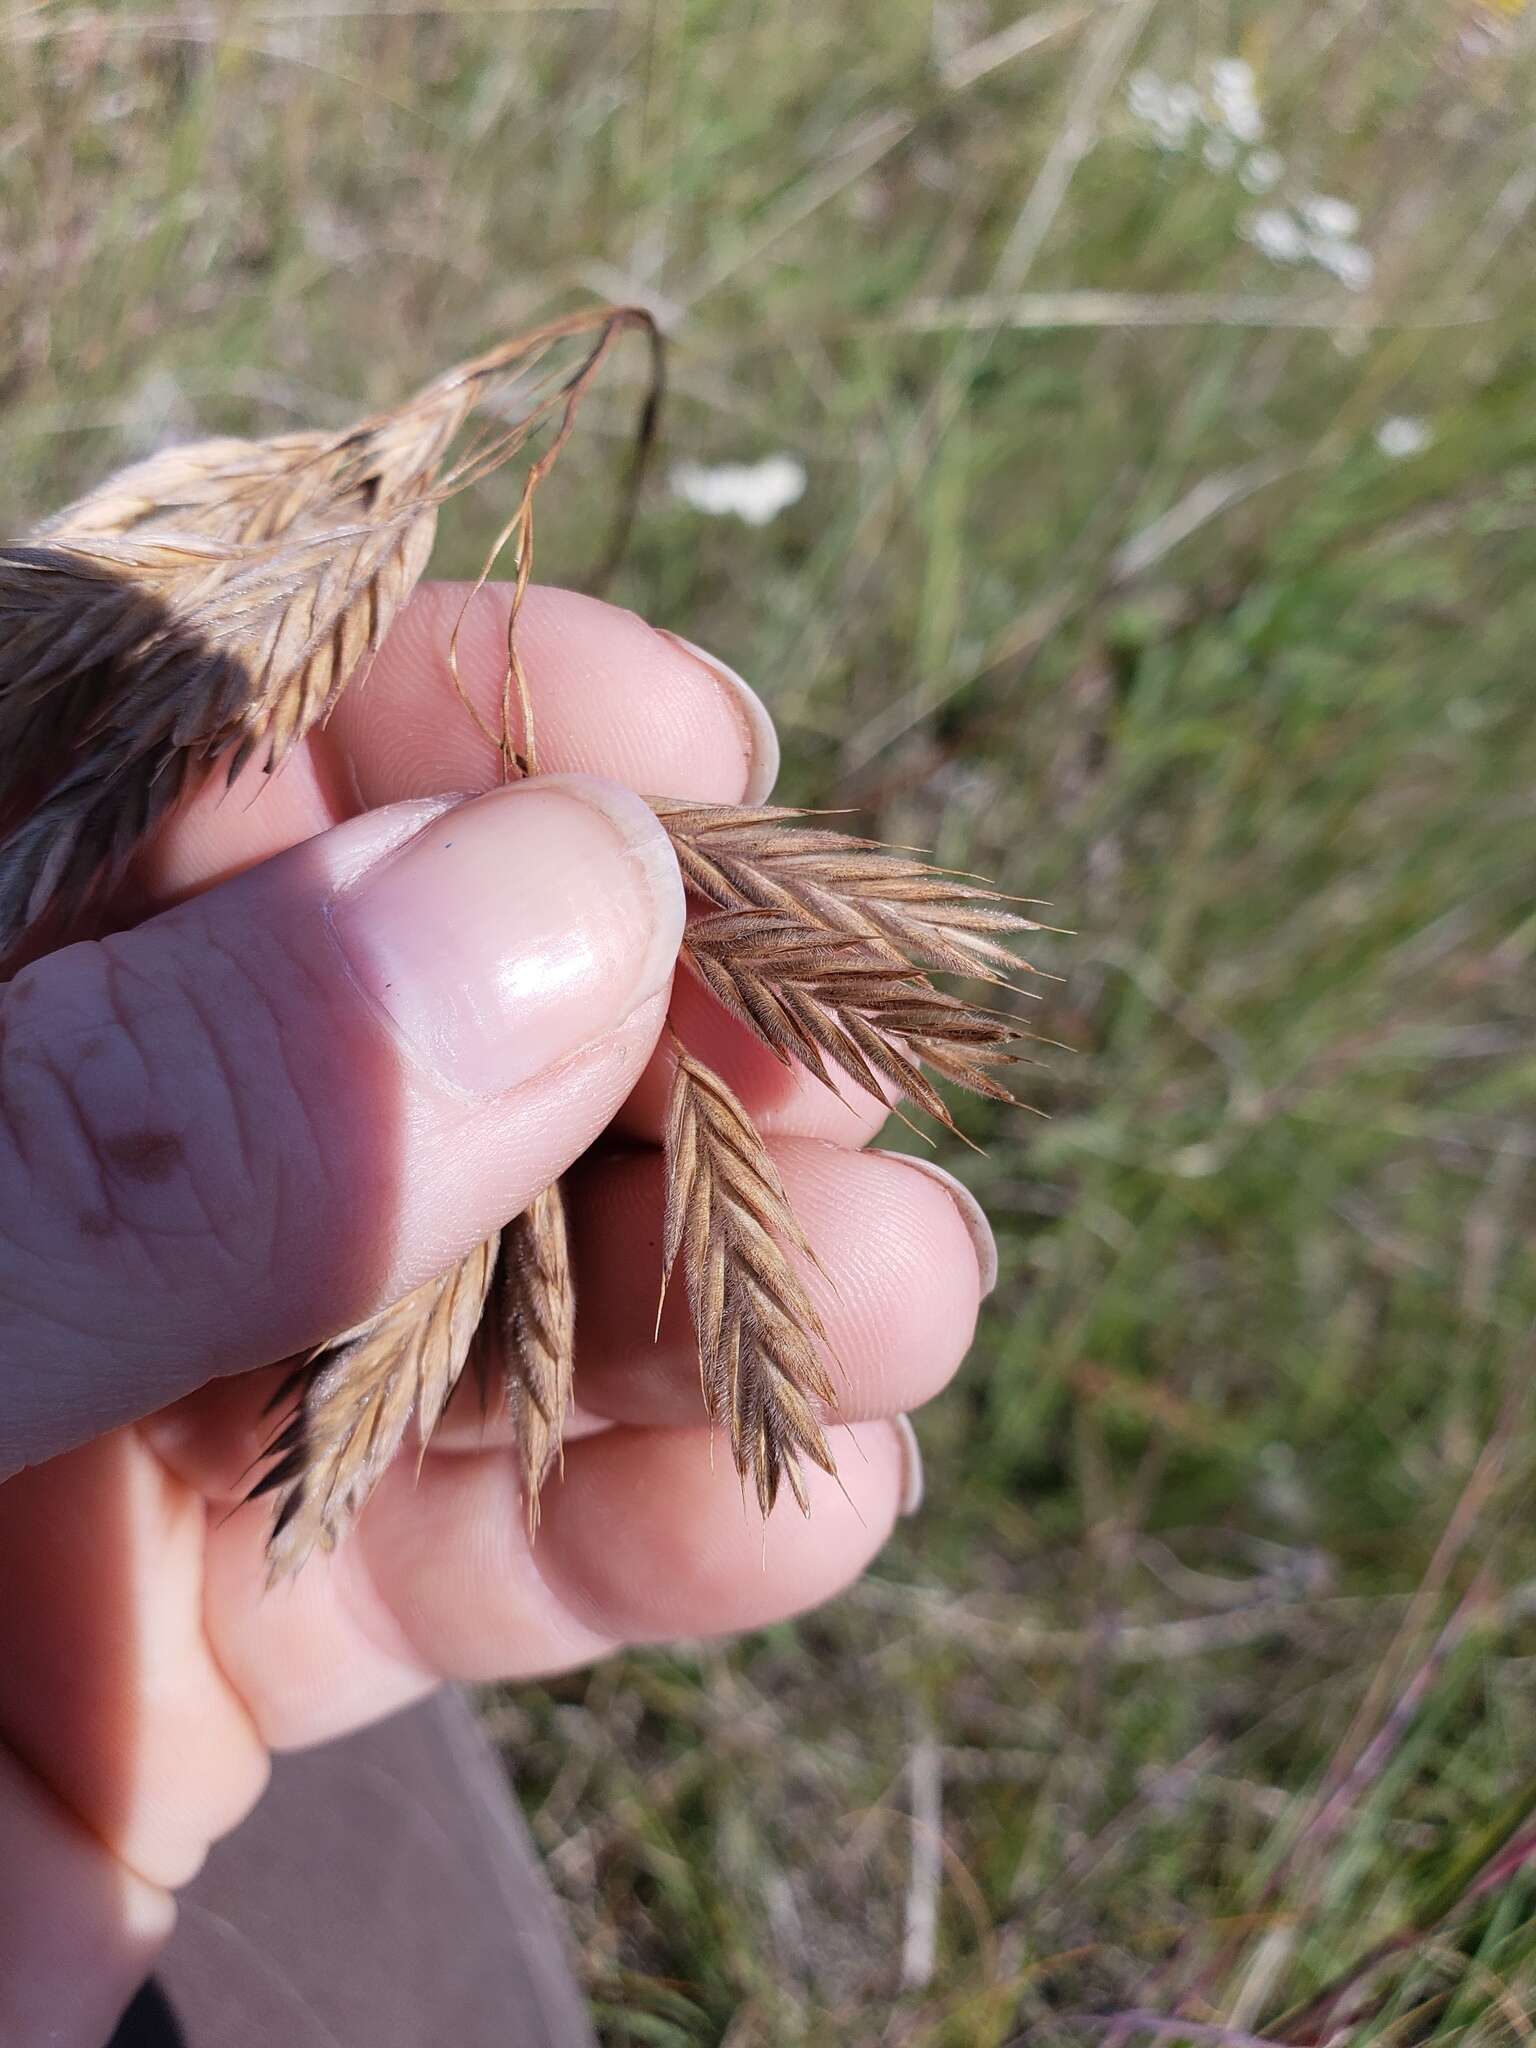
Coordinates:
377 1022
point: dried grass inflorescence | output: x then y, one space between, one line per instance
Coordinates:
207 607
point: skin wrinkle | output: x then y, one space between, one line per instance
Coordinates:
35 1057
91 1164
117 1039
212 1223
45 1300
266 1180
315 993
15 1136
245 1152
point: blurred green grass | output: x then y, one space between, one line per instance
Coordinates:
1210 1663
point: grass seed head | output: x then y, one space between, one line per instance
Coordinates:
205 608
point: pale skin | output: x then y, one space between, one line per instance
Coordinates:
219 1142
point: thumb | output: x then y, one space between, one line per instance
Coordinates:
262 1116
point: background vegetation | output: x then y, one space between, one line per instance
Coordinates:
1176 574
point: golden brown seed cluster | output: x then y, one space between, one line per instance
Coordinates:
206 608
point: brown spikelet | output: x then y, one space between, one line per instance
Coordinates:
253 491
353 1401
208 605
532 1325
221 490
231 650
729 1220
764 859
814 995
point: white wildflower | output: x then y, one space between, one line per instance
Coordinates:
1183 102
1144 95
1261 172
1353 266
1235 97
1400 436
1275 235
1334 219
1170 111
1181 110
753 491
1219 153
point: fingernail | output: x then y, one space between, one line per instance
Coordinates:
972 1215
516 928
759 738
911 1466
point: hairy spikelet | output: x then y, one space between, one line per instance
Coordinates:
222 490
814 995
729 1220
765 859
531 1328
207 605
231 650
353 1400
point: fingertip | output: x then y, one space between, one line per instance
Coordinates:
896 1283
973 1218
612 696
652 1536
759 735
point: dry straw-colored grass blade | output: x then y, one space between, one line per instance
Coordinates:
353 1400
529 1337
759 1335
